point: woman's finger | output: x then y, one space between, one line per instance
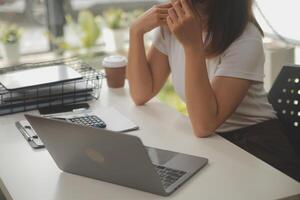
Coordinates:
173 15
186 6
179 11
162 10
163 16
163 21
165 5
169 22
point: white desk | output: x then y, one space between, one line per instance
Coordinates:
231 173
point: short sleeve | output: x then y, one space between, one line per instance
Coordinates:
160 40
243 59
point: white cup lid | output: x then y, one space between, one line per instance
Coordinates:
114 61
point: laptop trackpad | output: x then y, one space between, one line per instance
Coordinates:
160 157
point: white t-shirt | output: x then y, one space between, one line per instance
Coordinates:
243 59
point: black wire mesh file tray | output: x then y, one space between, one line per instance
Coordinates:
81 89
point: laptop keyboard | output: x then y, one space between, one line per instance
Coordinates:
168 176
91 120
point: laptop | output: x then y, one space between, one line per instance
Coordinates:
114 157
26 78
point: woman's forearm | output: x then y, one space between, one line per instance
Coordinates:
138 70
187 26
201 101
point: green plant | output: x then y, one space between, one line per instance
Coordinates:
115 18
9 34
169 96
134 14
86 28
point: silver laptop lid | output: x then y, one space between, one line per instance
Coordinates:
97 153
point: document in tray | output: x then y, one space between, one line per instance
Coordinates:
46 99
70 88
9 108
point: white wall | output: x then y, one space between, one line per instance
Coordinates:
284 15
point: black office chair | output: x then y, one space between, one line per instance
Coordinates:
285 98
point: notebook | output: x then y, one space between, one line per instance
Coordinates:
115 121
38 76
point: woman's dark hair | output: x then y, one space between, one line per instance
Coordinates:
226 21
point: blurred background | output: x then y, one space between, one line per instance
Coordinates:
94 28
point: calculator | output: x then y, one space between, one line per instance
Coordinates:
90 120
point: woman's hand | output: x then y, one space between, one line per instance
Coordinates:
185 24
152 18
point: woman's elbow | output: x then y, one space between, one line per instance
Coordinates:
139 100
139 97
203 131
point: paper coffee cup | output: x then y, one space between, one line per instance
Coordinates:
115 69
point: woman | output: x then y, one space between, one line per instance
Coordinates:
213 50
